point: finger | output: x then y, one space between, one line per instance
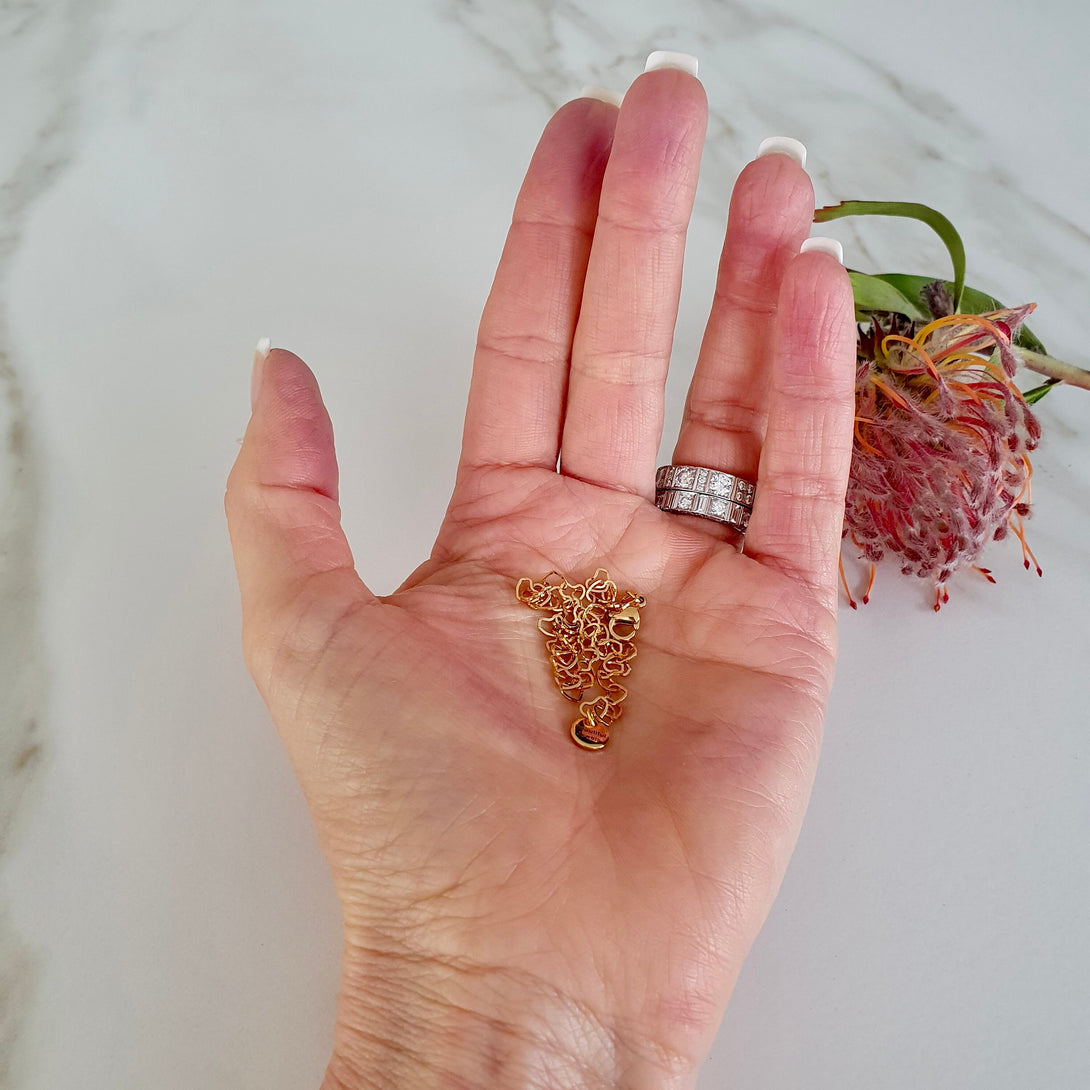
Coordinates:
291 556
798 511
771 210
520 369
613 419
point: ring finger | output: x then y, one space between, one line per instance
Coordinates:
771 210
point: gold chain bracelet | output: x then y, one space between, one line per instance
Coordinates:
590 638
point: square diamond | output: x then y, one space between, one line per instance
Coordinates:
684 477
720 484
718 508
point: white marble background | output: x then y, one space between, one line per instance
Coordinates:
178 179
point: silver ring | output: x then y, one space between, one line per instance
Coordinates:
709 493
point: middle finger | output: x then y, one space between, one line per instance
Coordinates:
621 350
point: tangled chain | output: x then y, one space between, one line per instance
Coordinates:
590 639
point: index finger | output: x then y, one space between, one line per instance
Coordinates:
520 369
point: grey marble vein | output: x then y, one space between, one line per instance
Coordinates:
43 51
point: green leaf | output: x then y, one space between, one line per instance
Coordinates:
973 301
1035 395
922 212
877 293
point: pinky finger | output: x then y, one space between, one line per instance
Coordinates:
798 511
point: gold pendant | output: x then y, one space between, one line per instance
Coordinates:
590 638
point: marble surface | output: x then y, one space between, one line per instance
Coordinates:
178 179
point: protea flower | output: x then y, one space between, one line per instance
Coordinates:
942 439
940 465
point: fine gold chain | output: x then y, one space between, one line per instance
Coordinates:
590 638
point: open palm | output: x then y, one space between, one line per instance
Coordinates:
519 911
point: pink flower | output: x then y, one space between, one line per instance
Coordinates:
941 462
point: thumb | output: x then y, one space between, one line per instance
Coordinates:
294 565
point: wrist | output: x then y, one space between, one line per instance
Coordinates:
406 1021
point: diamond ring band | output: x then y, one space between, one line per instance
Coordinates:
709 493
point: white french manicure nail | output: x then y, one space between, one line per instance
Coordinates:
825 246
663 58
603 94
260 352
784 145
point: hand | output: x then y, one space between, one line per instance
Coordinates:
519 911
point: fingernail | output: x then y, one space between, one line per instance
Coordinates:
784 145
825 245
663 58
260 352
603 94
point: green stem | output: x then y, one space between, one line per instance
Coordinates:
935 220
1054 368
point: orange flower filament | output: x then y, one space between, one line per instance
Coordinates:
940 465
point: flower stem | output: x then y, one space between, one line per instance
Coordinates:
1054 368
